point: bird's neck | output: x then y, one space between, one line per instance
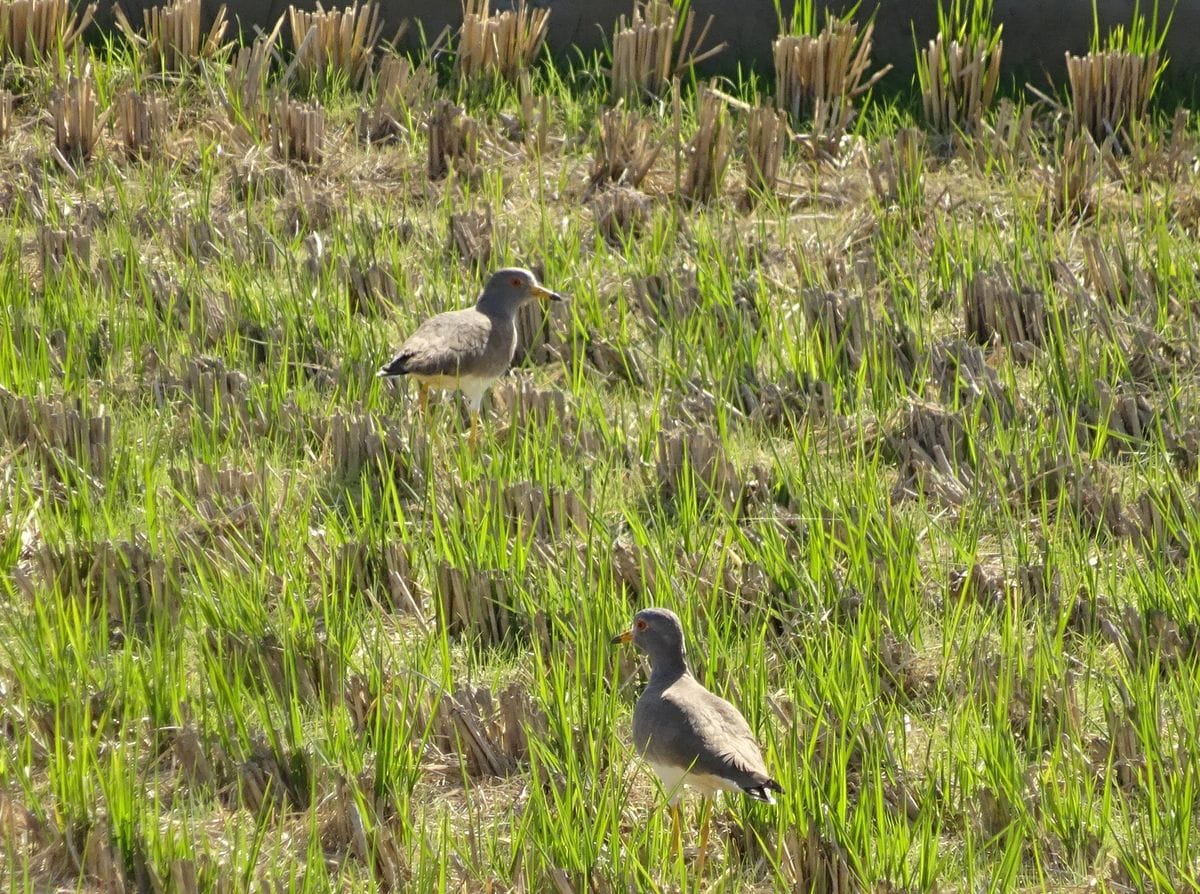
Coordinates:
668 668
496 311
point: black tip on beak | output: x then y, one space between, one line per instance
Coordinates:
546 295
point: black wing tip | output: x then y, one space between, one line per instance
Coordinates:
392 368
763 792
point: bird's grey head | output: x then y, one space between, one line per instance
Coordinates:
658 633
508 289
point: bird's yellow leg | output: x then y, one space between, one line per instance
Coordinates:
676 829
704 816
423 398
474 439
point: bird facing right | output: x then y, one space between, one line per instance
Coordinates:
687 734
469 349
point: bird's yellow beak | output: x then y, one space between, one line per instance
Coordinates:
621 638
545 294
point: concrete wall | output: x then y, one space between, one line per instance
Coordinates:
1036 34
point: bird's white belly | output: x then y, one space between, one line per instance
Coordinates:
473 387
675 778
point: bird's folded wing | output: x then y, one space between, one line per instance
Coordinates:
446 345
703 731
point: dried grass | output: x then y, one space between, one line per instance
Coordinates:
766 139
1153 156
372 835
400 86
1007 140
708 151
75 114
696 461
140 123
298 132
58 247
898 174
489 734
214 391
64 435
1073 182
935 456
646 55
247 78
620 214
6 111
334 40
817 78
501 45
380 572
1110 91
359 445
174 40
527 407
531 125
842 322
958 82
626 151
1113 273
472 235
36 31
126 579
370 287
477 604
452 137
815 862
546 514
995 308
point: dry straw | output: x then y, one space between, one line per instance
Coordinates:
501 45
958 82
452 136
1112 85
247 77
646 54
1007 139
708 151
626 151
298 131
399 87
960 68
1110 90
174 40
1075 178
818 77
620 214
6 110
335 40
57 247
75 113
140 123
473 236
898 174
32 31
766 139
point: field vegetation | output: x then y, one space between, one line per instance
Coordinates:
894 398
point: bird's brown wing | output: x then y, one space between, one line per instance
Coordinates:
691 727
449 344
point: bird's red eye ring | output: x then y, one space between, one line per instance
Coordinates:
516 280
641 625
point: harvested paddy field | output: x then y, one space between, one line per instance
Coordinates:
894 400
